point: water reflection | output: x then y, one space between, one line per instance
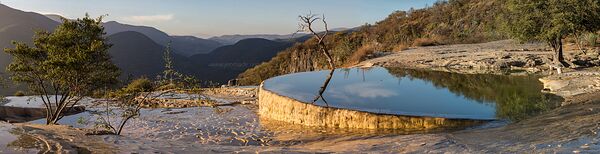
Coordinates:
515 97
323 88
419 93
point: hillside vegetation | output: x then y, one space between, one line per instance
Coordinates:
446 22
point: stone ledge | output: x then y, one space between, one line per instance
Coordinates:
282 108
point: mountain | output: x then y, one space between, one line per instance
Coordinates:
20 26
242 55
297 37
446 22
190 45
184 45
55 17
113 27
136 54
232 39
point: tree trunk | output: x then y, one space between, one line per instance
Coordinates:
559 58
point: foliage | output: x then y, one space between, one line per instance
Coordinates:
446 22
130 100
400 47
139 85
591 39
552 21
171 78
362 53
65 65
516 97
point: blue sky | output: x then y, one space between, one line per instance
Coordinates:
220 17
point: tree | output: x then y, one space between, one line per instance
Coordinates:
306 25
64 66
171 78
169 74
552 20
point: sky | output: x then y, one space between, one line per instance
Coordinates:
204 18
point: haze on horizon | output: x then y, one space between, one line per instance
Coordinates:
206 18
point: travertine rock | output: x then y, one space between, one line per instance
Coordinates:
286 109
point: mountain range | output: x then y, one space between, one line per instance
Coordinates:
232 39
138 50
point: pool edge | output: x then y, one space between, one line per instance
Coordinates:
283 108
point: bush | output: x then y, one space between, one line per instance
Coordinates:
362 53
400 47
139 85
169 86
422 42
19 94
591 39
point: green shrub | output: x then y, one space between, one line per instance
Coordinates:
139 85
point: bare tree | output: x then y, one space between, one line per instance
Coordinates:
130 100
306 25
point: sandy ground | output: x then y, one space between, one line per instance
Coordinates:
572 128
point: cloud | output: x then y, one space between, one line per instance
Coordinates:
368 90
149 18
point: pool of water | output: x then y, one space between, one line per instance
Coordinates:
13 141
419 93
26 108
24 102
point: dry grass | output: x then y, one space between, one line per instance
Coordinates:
422 42
361 54
400 47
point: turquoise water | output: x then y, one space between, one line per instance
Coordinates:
418 93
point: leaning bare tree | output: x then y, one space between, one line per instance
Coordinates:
306 25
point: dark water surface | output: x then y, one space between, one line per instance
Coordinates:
419 93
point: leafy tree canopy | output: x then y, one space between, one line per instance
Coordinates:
65 65
552 20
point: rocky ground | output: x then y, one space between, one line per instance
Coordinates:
571 128
491 57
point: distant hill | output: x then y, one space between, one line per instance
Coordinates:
138 51
190 45
184 45
242 55
232 39
446 22
136 54
113 27
297 37
20 26
55 17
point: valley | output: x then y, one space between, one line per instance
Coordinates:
432 76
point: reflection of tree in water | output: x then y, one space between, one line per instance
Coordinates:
328 79
516 97
324 87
